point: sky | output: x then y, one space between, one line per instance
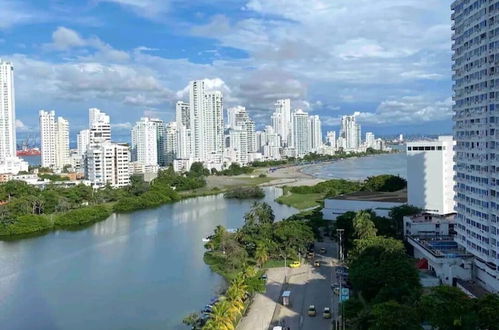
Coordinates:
387 60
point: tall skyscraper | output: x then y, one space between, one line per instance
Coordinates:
281 120
145 142
54 138
171 141
206 122
476 89
301 133
82 141
370 140
315 133
331 139
351 133
182 114
9 163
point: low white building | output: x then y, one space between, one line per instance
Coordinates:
430 175
427 224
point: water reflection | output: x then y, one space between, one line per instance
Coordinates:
143 270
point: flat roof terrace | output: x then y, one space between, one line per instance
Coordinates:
368 196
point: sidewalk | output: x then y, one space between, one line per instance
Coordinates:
262 309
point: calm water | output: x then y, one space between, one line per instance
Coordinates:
33 160
361 168
133 271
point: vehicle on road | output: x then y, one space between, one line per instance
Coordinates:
311 310
327 313
295 264
310 255
323 250
264 277
317 263
342 270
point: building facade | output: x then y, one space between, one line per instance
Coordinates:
9 162
107 163
476 91
301 133
430 175
54 140
145 142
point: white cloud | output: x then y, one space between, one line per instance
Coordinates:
122 126
14 13
406 110
21 127
64 38
146 8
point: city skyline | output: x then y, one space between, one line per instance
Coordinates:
392 81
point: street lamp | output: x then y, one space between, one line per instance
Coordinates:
340 236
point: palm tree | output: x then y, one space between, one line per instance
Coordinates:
363 225
261 255
221 317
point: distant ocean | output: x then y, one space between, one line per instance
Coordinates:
33 160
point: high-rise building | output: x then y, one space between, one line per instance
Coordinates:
145 142
301 133
183 142
430 175
214 124
315 133
99 124
182 114
281 121
235 115
197 119
9 162
54 138
171 142
107 163
331 139
476 89
351 133
370 140
82 141
238 145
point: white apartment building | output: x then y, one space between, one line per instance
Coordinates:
370 140
82 141
214 125
351 133
476 90
281 121
315 133
9 162
54 138
301 133
183 142
99 125
182 114
235 115
197 119
145 142
430 175
172 150
238 146
107 163
331 139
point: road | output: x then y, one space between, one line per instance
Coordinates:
310 285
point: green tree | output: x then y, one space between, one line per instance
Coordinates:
381 271
487 311
391 315
384 182
260 213
448 308
261 254
363 225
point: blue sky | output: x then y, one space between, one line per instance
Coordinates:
388 60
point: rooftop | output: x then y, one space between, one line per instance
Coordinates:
368 196
433 218
441 246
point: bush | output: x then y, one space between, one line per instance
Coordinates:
26 224
245 192
385 183
82 216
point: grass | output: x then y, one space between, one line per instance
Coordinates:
274 264
301 201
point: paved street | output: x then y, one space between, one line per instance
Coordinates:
309 285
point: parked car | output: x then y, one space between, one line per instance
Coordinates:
317 263
327 313
295 264
310 255
311 310
323 250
